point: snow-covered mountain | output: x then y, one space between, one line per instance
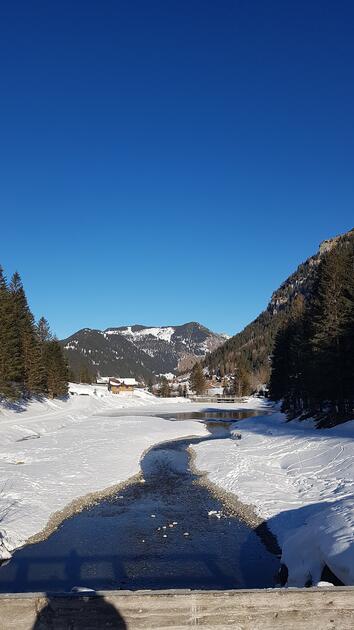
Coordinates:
140 351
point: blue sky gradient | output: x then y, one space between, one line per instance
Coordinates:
169 161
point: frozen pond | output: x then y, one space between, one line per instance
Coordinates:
229 415
155 534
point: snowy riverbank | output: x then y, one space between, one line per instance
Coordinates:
53 452
301 481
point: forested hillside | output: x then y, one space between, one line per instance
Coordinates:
313 357
249 352
31 360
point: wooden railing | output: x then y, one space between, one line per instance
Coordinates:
268 609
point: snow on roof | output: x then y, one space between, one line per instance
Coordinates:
129 381
102 379
125 381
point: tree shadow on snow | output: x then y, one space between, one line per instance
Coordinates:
290 429
292 521
22 404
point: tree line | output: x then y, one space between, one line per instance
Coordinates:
313 356
31 359
164 389
247 355
238 384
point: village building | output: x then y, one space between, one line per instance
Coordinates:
122 385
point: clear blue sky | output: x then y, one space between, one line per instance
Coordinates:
173 160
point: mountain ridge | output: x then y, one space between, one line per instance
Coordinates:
252 347
138 350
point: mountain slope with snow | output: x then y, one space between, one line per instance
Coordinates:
138 350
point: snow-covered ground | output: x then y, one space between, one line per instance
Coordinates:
53 452
301 481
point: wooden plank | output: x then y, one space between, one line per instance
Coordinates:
300 609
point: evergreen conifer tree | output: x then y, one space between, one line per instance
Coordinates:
197 379
313 358
31 361
85 376
31 372
43 330
56 369
333 326
10 357
164 389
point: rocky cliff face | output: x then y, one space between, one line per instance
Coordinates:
301 281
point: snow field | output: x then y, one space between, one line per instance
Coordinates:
301 481
54 452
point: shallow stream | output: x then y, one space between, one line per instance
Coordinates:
168 530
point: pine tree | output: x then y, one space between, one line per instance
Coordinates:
164 389
297 351
56 369
35 373
85 376
72 376
31 361
241 384
313 358
197 379
10 358
279 378
43 331
290 360
348 331
31 372
333 326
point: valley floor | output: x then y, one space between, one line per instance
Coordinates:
54 452
299 479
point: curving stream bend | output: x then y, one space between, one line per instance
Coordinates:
167 531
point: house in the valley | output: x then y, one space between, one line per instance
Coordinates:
122 385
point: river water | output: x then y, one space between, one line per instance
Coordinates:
166 531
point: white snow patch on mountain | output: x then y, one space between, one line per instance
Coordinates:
72 345
163 333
